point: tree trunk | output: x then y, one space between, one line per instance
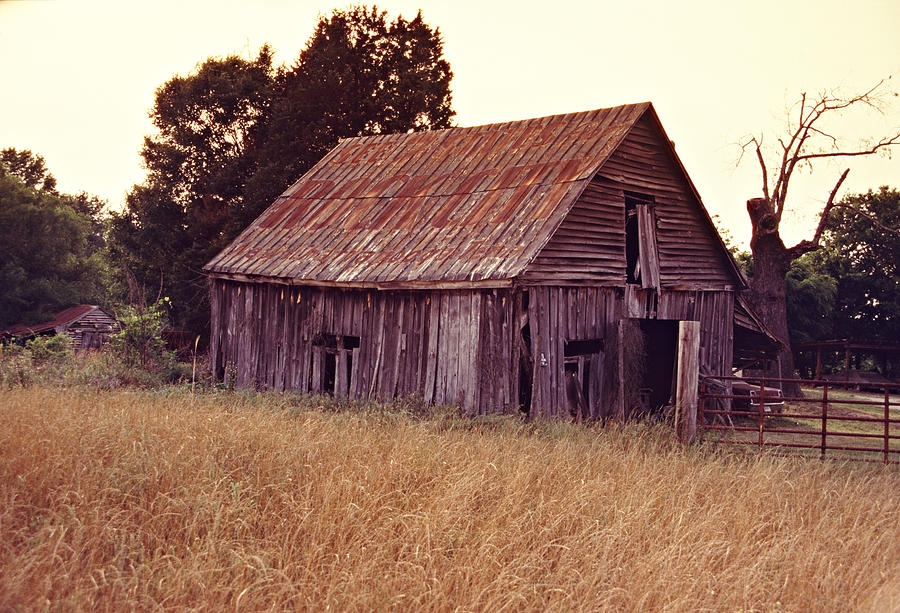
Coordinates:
768 288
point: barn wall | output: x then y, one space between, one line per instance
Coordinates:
90 331
589 245
689 252
454 347
558 314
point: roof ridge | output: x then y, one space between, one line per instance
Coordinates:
495 124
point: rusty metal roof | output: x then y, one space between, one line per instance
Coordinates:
65 317
460 205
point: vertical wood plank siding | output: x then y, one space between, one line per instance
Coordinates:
560 314
454 347
557 314
446 347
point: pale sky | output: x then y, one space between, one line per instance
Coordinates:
77 78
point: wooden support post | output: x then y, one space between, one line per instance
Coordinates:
341 382
824 419
887 424
688 379
760 406
619 410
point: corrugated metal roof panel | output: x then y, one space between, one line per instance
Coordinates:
63 318
463 204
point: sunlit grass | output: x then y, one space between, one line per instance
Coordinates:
144 500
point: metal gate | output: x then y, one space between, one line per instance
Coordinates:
830 420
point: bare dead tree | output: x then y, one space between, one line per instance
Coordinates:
807 142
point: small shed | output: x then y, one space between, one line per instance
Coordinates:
87 325
540 266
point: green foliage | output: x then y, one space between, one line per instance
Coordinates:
359 74
865 260
43 358
15 366
811 292
744 260
139 341
56 348
48 252
29 168
233 134
850 288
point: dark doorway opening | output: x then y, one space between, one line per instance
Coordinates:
583 364
526 365
649 361
332 364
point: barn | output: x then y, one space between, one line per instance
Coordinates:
542 266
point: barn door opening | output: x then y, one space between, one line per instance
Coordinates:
332 364
647 365
526 365
583 364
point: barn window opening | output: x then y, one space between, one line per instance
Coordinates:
641 259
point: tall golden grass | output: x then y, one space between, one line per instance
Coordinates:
151 500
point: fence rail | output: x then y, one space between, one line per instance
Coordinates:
827 418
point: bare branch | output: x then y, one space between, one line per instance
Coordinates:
823 219
834 142
882 144
762 167
806 246
793 148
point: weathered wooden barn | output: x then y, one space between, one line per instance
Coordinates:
87 325
537 265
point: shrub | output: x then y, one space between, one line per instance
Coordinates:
139 342
15 366
55 349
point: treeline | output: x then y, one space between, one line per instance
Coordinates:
229 138
234 133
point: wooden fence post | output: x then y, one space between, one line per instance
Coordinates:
688 379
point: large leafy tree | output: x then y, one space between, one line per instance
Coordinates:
359 74
235 133
198 163
863 254
29 167
49 243
850 287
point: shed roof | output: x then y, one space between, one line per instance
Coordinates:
65 317
461 205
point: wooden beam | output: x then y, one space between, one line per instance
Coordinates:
387 285
688 378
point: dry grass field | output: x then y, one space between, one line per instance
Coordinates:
137 500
